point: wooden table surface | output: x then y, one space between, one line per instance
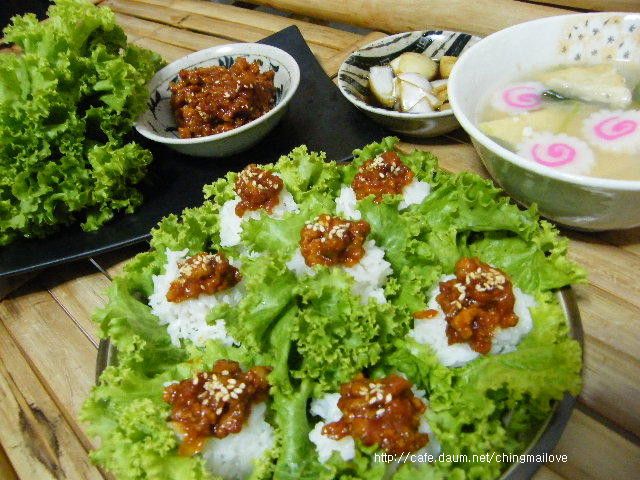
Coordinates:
48 343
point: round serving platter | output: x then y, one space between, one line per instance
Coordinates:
544 441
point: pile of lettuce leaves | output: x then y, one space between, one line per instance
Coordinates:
67 104
316 334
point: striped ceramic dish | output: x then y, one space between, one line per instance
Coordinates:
353 77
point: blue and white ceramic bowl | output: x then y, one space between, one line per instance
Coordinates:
157 122
353 78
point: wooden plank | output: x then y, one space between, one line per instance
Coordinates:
221 28
595 452
8 285
545 473
332 65
179 18
78 288
600 5
610 318
452 155
57 350
159 14
408 15
6 469
36 435
163 15
610 268
612 356
315 34
138 28
243 33
112 263
168 52
607 387
628 240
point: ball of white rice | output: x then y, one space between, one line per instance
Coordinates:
414 193
298 266
432 331
232 457
327 409
433 448
370 274
231 224
346 204
187 319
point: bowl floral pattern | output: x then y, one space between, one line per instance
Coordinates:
353 78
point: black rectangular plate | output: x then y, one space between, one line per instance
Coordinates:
318 116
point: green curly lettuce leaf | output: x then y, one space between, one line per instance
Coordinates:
196 229
336 334
127 411
546 364
297 460
269 288
265 317
67 104
308 176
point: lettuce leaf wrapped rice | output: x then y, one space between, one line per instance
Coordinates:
67 104
316 334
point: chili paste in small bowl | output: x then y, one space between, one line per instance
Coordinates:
221 100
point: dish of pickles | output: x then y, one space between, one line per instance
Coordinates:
412 83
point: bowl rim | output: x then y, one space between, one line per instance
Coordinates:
233 49
477 135
384 111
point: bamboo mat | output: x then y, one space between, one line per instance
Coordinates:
48 343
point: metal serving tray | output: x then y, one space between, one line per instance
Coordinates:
546 438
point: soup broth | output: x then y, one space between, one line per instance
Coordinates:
579 119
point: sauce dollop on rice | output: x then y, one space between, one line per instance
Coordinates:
257 189
203 273
385 174
475 303
329 240
383 412
216 403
